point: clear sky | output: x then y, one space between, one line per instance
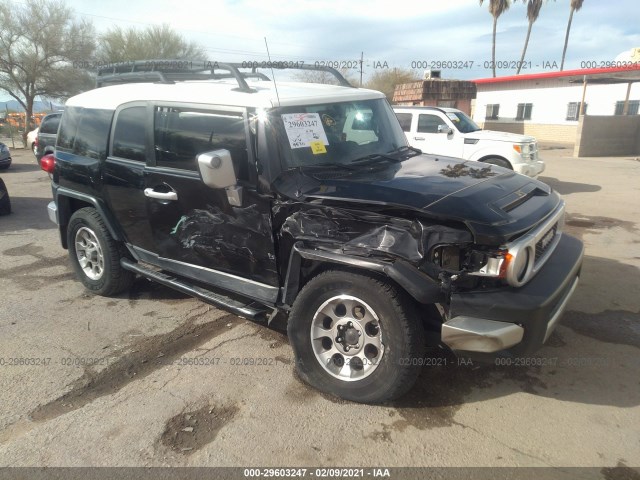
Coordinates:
390 33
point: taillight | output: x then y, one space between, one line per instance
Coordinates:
48 163
35 142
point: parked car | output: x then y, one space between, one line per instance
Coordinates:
450 132
46 139
5 202
308 201
5 156
32 140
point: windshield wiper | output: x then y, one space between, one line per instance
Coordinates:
374 158
406 149
328 165
395 156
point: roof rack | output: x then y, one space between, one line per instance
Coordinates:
171 71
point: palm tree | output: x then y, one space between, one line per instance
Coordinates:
575 6
533 11
496 8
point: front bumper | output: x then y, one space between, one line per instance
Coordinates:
515 321
530 169
5 162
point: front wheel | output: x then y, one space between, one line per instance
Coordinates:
95 255
356 337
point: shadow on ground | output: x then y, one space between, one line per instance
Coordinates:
566 188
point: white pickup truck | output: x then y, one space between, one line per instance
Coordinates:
450 132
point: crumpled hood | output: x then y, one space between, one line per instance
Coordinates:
495 203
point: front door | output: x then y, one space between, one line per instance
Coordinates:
197 231
170 217
430 134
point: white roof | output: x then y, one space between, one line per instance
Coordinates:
221 92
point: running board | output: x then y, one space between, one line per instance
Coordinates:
236 307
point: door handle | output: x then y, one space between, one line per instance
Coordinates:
151 193
418 138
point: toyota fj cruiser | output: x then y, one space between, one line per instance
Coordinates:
306 199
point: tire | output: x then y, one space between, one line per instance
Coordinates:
5 167
389 345
5 201
501 162
95 255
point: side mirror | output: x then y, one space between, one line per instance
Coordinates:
445 129
216 169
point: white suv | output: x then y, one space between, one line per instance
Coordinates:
450 132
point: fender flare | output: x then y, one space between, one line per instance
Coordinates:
60 196
417 284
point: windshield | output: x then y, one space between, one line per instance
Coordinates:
463 123
336 133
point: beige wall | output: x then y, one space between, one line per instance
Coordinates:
542 132
607 136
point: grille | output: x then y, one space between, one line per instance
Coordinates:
543 244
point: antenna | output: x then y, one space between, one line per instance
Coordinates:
271 66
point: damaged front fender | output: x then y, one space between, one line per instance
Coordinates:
394 246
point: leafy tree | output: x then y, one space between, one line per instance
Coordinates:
575 5
496 8
153 42
41 44
533 12
386 80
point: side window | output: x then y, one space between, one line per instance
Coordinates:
405 121
632 109
181 134
92 136
493 111
573 110
130 133
524 111
68 128
50 124
429 123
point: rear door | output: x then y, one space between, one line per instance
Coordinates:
124 173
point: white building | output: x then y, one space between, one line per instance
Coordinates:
548 105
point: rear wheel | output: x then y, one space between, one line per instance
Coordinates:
95 255
356 337
501 162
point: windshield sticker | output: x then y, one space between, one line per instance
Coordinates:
303 129
453 116
318 147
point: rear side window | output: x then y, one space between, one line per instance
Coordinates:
181 134
68 128
85 132
50 124
405 121
130 134
92 136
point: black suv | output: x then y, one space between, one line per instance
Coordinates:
308 201
46 139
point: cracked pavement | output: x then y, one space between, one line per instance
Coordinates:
155 378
